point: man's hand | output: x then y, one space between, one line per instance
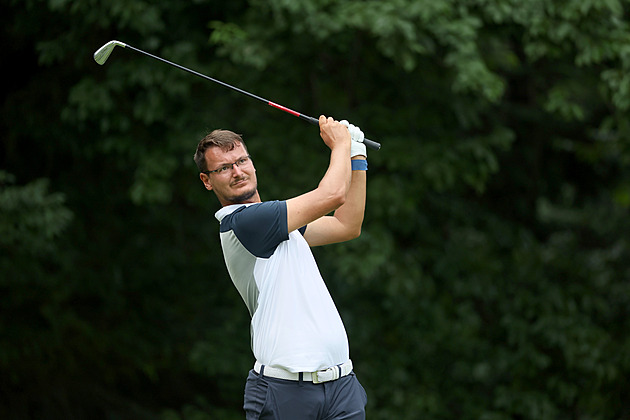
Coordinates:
357 148
333 132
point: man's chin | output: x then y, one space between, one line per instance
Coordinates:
243 197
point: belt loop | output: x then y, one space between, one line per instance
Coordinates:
301 379
262 372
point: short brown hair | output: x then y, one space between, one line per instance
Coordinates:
226 140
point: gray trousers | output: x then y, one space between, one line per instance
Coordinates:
279 399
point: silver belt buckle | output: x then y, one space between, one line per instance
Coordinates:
327 375
315 377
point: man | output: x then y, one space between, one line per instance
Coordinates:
303 369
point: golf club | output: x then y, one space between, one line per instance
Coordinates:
102 54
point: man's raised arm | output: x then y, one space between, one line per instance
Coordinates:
345 223
332 190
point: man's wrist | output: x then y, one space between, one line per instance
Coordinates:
359 164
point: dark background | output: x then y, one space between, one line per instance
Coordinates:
491 280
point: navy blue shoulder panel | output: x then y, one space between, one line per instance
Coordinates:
260 227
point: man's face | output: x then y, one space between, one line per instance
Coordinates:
235 185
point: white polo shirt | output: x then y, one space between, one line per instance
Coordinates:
295 324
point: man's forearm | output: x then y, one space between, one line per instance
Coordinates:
337 179
350 214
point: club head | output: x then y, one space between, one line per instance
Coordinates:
102 54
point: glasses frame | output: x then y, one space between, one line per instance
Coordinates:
229 166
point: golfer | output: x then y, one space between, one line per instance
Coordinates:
303 369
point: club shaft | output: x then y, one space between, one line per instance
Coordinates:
369 143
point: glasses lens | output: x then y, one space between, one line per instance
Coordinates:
225 168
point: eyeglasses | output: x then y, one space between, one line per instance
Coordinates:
244 161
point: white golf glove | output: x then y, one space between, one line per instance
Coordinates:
356 135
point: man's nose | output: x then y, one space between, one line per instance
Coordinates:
236 170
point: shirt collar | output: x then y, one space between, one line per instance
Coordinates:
224 211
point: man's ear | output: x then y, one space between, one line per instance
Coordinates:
206 181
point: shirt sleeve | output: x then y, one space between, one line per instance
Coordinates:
260 227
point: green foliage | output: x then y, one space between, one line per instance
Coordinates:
491 277
31 217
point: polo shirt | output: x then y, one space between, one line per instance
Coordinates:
294 322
